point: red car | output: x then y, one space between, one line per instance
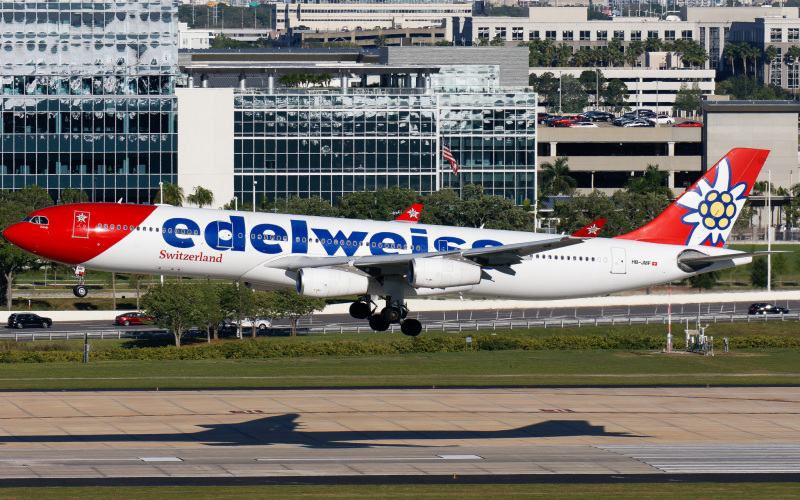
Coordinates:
688 123
133 318
564 120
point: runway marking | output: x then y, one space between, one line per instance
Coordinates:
432 375
160 459
714 458
369 459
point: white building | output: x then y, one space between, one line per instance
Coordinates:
649 88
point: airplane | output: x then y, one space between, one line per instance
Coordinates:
330 257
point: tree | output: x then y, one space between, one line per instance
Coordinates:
173 195
314 205
593 81
238 303
223 42
175 307
201 197
652 181
292 305
758 273
497 42
633 52
14 206
72 195
555 178
380 41
792 56
615 94
731 53
770 53
210 309
704 281
653 44
383 204
573 97
688 99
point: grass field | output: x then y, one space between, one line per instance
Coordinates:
706 491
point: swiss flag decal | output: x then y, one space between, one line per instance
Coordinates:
80 224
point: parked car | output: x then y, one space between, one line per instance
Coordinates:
639 122
620 120
766 308
581 124
261 324
662 119
561 120
598 116
644 113
21 320
542 117
133 318
688 123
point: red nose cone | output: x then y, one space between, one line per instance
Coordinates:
22 234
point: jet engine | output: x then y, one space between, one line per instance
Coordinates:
442 273
323 283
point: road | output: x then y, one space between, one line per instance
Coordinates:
411 435
452 319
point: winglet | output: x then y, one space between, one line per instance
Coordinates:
592 230
706 212
411 215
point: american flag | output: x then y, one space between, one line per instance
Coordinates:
447 155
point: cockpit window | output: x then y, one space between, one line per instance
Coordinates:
38 219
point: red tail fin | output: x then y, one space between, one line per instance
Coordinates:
705 213
592 230
412 214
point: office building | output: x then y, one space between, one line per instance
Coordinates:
88 97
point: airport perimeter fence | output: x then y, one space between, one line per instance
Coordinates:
433 326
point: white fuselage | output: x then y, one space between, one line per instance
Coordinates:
242 246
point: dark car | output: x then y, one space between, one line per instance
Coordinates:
133 318
599 116
21 320
766 308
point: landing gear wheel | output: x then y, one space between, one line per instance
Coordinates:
411 327
392 314
360 310
378 323
80 291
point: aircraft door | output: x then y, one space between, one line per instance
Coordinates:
80 224
617 260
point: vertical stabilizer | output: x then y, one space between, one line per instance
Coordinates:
706 212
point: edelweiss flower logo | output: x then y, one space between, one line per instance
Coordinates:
713 207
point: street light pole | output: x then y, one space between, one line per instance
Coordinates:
161 188
254 195
769 230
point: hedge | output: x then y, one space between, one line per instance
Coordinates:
261 349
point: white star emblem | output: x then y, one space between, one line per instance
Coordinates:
593 229
413 213
82 217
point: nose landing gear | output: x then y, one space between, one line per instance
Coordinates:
394 312
80 290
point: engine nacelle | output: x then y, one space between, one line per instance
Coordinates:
323 283
442 273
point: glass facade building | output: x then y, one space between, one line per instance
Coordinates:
88 97
328 144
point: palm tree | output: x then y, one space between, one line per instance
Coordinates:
173 195
556 178
652 181
770 53
653 44
201 197
792 56
731 53
635 49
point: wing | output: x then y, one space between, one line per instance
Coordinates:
397 264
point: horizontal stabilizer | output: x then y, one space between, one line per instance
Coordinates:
708 259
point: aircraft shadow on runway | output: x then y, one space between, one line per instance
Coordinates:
284 429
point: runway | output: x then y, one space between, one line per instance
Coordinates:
380 435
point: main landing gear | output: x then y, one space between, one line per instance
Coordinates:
394 312
80 290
